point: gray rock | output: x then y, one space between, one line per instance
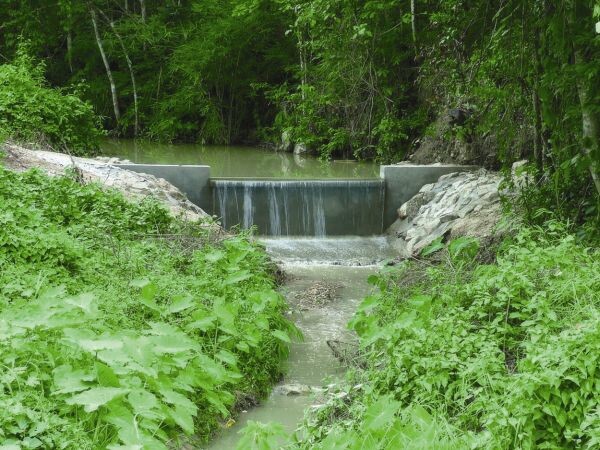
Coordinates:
449 217
300 149
459 204
286 144
135 186
411 207
293 389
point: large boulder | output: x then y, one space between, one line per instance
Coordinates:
135 186
300 149
458 204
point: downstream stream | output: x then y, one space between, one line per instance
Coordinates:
342 264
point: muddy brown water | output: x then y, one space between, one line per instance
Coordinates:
345 262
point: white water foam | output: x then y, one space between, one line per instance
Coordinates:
330 251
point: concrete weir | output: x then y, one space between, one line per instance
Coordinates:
302 207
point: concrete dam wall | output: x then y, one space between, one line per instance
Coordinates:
320 208
301 208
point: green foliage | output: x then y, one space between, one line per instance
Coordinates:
345 78
354 79
259 436
32 111
504 355
531 99
112 336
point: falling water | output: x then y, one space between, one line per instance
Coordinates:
247 208
305 208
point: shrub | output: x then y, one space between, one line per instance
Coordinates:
30 110
501 355
113 334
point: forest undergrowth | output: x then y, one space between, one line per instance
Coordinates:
121 327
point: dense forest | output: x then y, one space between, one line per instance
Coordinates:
345 78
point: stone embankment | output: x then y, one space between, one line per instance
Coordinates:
134 185
458 204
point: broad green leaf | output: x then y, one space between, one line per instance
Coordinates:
149 292
213 369
224 311
142 401
281 335
125 447
163 329
84 301
435 246
173 344
175 398
94 398
368 303
140 283
106 375
183 418
243 346
227 357
67 380
181 303
237 277
381 414
214 398
214 256
202 324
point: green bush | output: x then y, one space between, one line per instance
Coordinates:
121 327
502 355
32 111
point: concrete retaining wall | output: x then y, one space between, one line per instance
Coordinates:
193 181
403 181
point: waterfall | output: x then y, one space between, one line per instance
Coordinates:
300 207
248 211
274 217
319 211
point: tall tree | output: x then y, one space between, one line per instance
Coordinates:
113 88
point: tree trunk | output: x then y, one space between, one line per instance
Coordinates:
538 142
143 10
70 50
590 123
413 23
590 120
131 74
113 88
302 57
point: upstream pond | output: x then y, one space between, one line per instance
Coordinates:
239 161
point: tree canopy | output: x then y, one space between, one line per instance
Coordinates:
347 78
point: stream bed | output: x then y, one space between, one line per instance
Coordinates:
326 280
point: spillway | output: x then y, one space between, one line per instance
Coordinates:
301 207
